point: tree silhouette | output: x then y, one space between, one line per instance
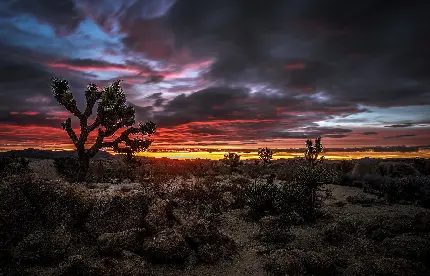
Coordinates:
232 160
312 152
265 155
113 113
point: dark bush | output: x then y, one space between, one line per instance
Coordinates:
262 199
408 188
67 167
10 165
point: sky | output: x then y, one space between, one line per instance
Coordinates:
223 73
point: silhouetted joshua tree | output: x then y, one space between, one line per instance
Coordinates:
265 155
312 152
232 160
113 113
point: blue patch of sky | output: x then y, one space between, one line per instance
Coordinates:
380 117
27 32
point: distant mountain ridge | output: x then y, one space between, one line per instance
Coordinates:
49 154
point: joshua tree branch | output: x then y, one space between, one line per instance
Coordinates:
67 126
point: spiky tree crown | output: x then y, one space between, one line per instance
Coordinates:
265 154
232 159
113 113
312 151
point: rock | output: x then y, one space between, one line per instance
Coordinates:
408 246
115 243
168 246
160 216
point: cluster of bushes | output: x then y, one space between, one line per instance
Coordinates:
10 165
395 189
300 196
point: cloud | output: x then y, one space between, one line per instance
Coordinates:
64 15
400 136
340 49
242 71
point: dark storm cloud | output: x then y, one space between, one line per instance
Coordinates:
235 112
369 52
14 90
39 119
64 15
400 136
25 85
400 125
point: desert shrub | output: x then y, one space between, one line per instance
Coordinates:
10 165
396 169
373 183
410 188
345 166
422 165
395 189
67 167
111 170
232 160
301 195
287 171
262 199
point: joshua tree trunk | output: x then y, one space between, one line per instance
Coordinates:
84 165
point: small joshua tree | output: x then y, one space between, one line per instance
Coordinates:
265 155
312 175
232 159
312 152
113 113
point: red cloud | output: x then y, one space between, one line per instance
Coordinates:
295 66
28 113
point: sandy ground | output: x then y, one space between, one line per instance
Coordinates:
249 262
246 262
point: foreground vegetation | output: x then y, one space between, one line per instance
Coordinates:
173 217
